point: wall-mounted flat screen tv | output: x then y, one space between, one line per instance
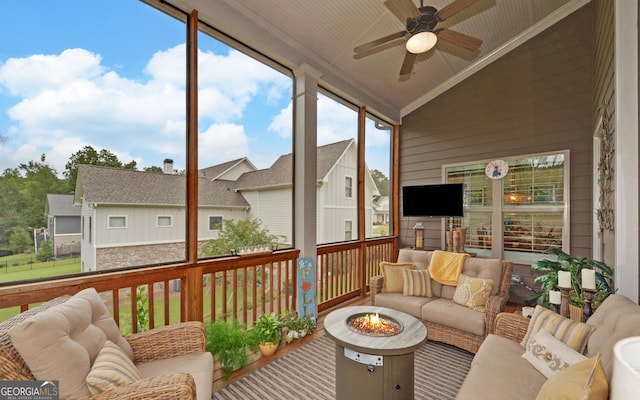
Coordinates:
440 200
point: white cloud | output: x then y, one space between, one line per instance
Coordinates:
69 100
221 143
281 123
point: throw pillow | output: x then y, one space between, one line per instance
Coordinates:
549 355
112 368
572 333
416 283
584 380
393 281
473 292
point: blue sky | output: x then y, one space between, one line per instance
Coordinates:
110 74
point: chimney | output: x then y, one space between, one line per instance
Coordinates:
168 166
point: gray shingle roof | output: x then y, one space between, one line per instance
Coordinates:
215 171
61 205
107 185
281 171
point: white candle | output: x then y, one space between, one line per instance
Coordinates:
554 297
564 279
588 279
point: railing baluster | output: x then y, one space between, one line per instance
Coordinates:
152 323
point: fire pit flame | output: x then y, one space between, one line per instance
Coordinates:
374 325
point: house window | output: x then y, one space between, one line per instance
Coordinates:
117 221
164 221
532 206
348 230
348 187
215 222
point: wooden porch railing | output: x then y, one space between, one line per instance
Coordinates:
239 288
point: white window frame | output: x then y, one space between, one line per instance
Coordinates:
114 217
498 208
348 186
209 222
159 225
350 231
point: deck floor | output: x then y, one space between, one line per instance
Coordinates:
259 361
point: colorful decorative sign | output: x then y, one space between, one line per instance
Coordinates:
307 303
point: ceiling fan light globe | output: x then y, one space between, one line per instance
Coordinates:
421 42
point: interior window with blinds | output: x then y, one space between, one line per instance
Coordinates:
531 206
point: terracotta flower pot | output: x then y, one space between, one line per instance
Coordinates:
268 348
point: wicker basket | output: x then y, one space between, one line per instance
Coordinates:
575 313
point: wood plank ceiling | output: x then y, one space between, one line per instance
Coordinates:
323 33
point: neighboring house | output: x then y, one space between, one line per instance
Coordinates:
63 224
135 218
381 210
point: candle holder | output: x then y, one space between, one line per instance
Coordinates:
588 298
564 306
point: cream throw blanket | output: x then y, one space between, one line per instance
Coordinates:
445 267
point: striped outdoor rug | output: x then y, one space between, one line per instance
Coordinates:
309 373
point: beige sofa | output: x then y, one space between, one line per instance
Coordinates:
498 370
447 321
75 341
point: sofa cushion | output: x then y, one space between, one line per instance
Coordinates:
421 259
584 380
409 304
473 292
198 365
416 283
112 368
498 372
475 267
572 333
549 355
615 319
69 334
446 312
393 281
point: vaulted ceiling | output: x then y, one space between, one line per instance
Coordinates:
322 34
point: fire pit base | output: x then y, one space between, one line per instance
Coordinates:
374 367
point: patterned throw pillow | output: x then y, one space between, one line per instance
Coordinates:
572 333
393 281
473 292
549 355
111 368
416 282
584 380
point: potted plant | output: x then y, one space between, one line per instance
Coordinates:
565 262
228 342
266 333
294 327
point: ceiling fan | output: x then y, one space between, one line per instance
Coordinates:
422 31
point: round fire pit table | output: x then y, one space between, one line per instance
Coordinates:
371 366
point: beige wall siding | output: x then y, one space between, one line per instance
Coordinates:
274 208
604 88
537 98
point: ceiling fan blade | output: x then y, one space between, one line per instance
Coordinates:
378 42
459 39
453 8
407 64
402 9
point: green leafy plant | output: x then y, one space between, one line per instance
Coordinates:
294 327
548 280
267 329
142 308
228 342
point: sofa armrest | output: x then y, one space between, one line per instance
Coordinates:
375 287
511 326
495 305
168 341
172 386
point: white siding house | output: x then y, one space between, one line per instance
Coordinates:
136 218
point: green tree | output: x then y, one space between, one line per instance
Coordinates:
247 232
153 168
45 252
20 240
89 155
381 181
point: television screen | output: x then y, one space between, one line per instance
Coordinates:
441 200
